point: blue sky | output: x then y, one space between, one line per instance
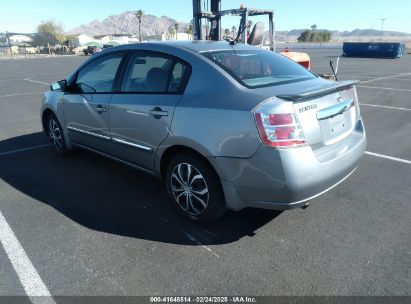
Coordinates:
25 15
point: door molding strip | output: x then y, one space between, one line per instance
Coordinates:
127 143
88 133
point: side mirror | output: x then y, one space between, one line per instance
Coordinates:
58 85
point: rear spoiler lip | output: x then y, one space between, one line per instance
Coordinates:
324 90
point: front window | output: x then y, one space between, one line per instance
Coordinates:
99 75
258 68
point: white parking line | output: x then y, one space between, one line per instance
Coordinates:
193 239
29 278
36 81
12 79
21 94
386 77
23 149
382 88
386 107
389 157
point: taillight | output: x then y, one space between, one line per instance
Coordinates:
281 130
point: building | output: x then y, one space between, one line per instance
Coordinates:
169 36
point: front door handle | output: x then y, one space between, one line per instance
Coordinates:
101 109
157 112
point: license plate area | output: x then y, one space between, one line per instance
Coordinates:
337 127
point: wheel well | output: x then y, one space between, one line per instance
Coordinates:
44 117
174 150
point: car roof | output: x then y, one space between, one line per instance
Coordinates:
197 46
207 45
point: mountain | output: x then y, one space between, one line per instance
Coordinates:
127 23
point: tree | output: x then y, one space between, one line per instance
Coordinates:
71 41
190 28
313 30
140 15
176 27
323 36
49 32
3 40
170 34
305 36
310 36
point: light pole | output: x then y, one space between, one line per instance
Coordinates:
382 26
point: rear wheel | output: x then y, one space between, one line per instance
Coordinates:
56 136
194 188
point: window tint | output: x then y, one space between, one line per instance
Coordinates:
98 76
259 68
153 73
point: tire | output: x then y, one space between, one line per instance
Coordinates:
197 195
56 135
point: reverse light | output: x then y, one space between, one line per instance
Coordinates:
281 130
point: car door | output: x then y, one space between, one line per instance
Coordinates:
86 103
140 114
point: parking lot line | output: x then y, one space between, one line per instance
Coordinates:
29 278
20 94
389 157
36 81
383 88
386 77
23 149
12 79
193 239
387 107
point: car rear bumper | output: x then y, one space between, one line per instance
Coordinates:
282 179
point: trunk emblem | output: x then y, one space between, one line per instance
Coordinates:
307 108
339 97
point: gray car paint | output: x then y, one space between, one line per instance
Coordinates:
214 117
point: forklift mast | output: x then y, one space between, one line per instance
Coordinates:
213 7
211 12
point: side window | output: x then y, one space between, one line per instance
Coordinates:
98 76
153 73
179 72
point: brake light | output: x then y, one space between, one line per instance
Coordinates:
279 130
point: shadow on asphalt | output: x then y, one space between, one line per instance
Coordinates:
106 196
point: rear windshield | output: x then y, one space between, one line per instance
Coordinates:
257 68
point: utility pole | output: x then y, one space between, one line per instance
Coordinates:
382 26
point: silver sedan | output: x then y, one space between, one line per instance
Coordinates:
225 127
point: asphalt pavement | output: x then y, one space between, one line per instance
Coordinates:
91 226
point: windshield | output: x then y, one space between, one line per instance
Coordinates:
255 68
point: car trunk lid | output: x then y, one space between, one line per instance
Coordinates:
327 114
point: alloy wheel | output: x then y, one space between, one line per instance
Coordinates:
189 189
55 134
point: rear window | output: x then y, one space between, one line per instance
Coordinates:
256 68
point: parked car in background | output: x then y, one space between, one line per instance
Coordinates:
106 46
224 126
91 50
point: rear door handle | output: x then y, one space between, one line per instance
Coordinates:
157 112
101 109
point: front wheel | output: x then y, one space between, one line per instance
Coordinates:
195 188
56 136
